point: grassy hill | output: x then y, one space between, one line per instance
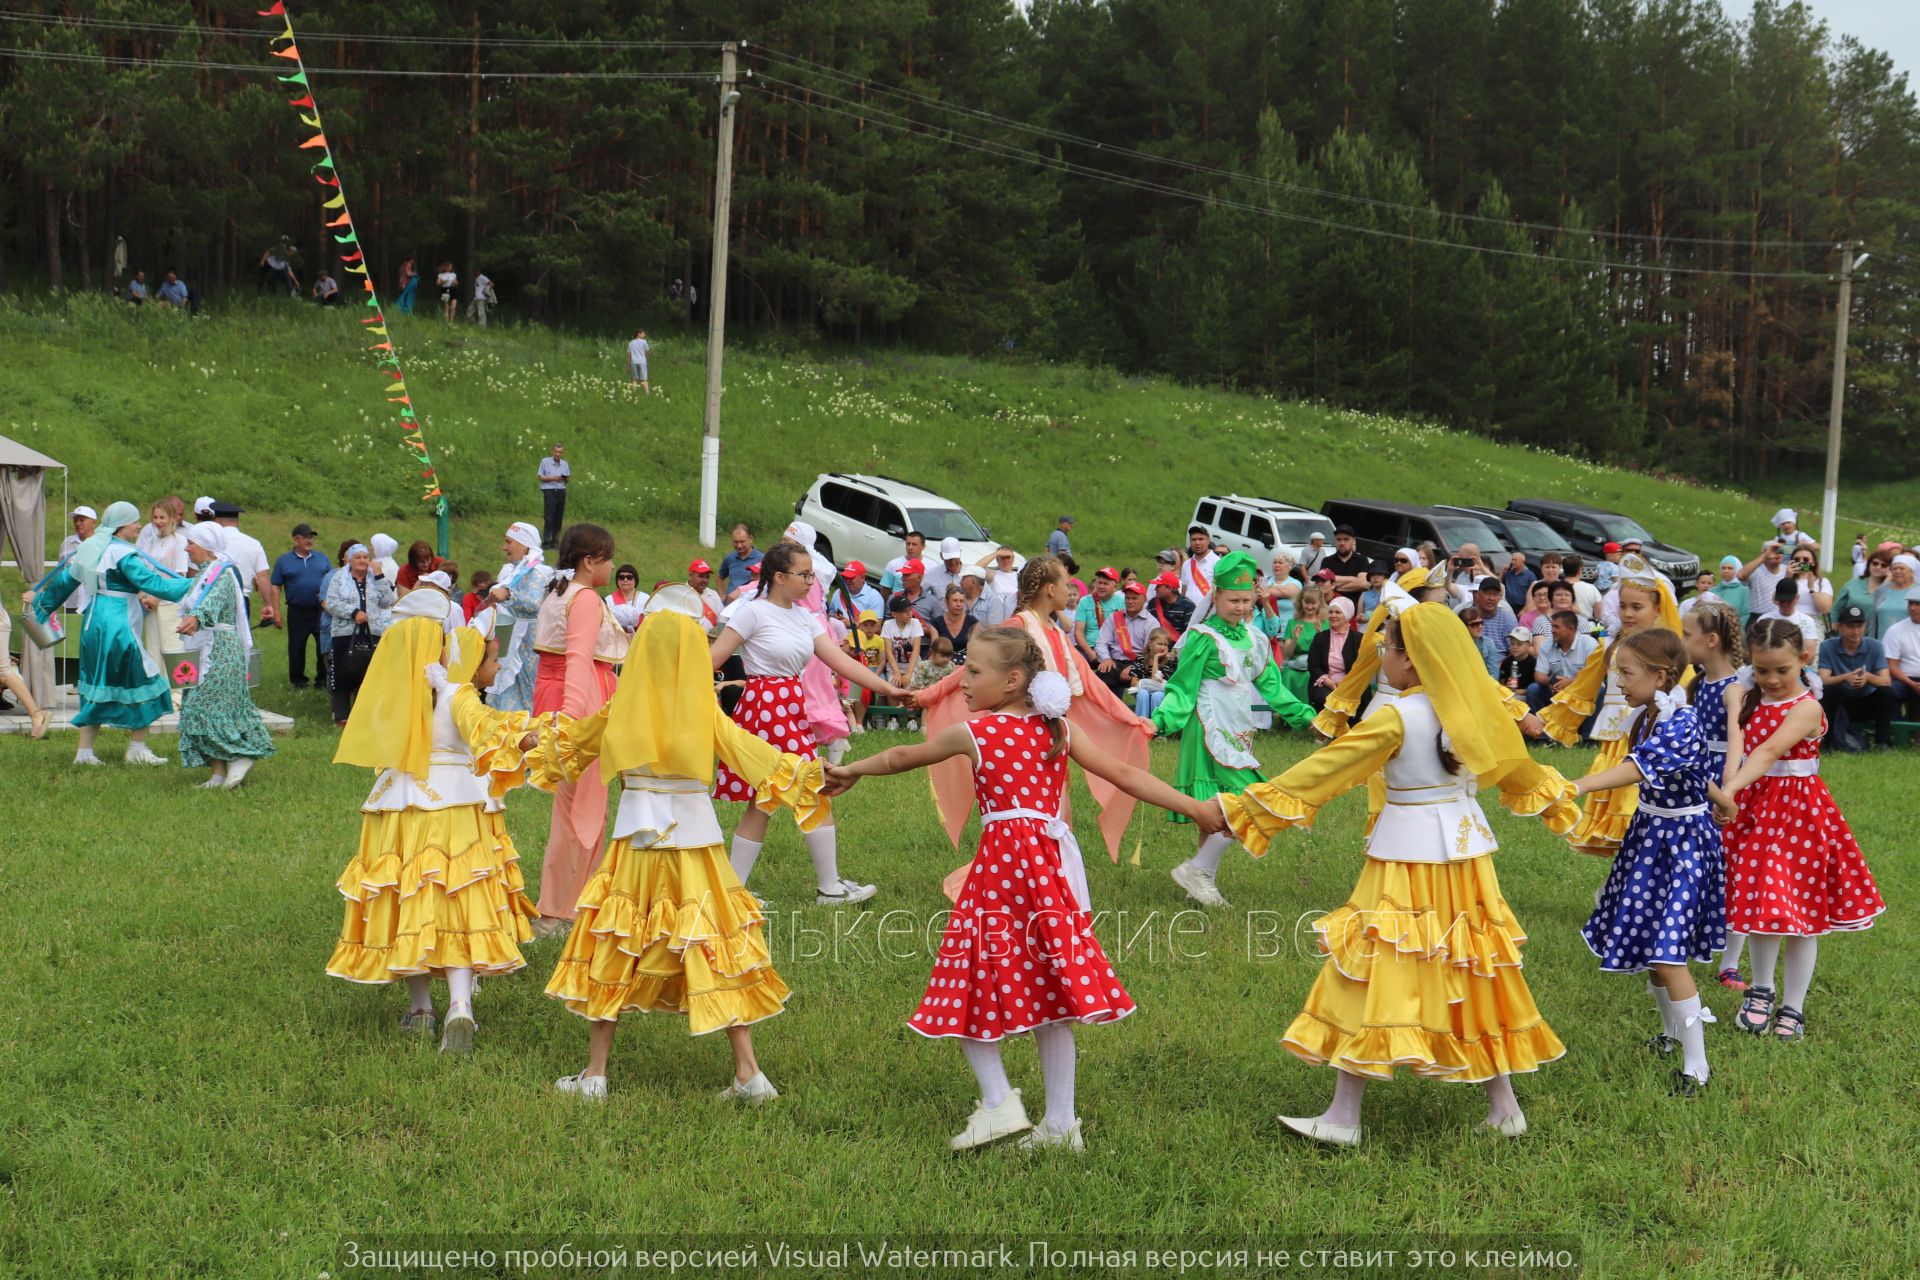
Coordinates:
278 408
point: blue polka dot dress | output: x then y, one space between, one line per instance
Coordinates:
1665 901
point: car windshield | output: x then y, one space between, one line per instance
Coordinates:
945 522
1296 532
1455 530
1536 537
1623 529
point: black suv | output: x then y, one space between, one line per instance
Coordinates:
1528 535
1382 528
1589 528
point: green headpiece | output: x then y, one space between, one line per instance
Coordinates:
1236 571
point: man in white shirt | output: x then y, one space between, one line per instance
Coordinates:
1786 607
482 298
1196 575
553 474
700 578
1315 553
1763 573
1000 577
1901 645
85 521
250 558
988 607
637 360
947 572
1565 651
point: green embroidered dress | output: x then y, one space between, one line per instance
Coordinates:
1221 667
218 721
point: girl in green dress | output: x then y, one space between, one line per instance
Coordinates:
219 725
1309 620
1223 665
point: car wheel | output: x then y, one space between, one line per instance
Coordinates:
826 546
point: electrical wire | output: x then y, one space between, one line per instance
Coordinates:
50 55
248 33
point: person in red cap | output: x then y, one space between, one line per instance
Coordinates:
853 595
1092 612
700 578
1169 607
1123 638
913 577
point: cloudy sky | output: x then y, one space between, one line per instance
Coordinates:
1892 26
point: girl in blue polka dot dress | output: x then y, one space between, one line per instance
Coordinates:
1664 904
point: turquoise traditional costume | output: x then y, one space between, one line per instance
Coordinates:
218 721
120 683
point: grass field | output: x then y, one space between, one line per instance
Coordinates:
189 1095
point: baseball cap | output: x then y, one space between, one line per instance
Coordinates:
699 566
1344 528
1630 542
1169 580
899 604
855 569
974 571
203 506
1064 520
1108 572
866 615
88 512
1325 575
1169 556
1133 589
304 530
914 566
949 548
1490 583
1851 613
754 568
1316 536
1610 547
1519 635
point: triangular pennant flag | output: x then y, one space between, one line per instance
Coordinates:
433 493
326 181
305 102
344 220
349 238
312 122
379 329
353 270
317 140
279 10
298 77
291 51
399 400
355 256
381 346
288 33
398 383
338 202
427 474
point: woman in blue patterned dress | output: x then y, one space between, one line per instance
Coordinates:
120 683
1712 636
219 725
1665 902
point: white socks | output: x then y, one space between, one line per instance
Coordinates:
989 1070
1666 1009
823 846
1730 958
85 756
745 853
1056 1046
1207 857
1687 1027
1348 1090
1501 1104
460 989
1800 953
420 990
1766 956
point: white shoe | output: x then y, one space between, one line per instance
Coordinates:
913 726
457 1033
1198 884
752 1092
237 772
1042 1138
214 783
144 756
990 1124
583 1086
86 758
1334 1135
849 892
1513 1126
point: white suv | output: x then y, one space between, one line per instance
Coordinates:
865 518
1258 526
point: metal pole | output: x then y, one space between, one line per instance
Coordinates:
1830 499
440 512
717 299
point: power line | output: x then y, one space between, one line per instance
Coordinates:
1002 150
247 33
50 55
794 60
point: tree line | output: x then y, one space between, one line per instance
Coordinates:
1604 227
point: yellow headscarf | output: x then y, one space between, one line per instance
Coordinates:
392 722
465 648
1345 698
661 716
1636 572
1482 735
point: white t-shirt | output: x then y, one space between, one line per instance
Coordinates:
1189 587
779 641
1586 600
446 280
896 636
1902 645
1760 585
1808 624
247 555
481 283
637 351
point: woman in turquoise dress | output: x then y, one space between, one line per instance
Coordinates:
120 683
219 725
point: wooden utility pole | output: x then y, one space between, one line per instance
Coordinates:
1830 498
717 297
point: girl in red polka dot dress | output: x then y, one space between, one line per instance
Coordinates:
1794 870
1019 952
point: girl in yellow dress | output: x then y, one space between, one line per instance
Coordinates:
1423 960
664 925
1646 600
434 890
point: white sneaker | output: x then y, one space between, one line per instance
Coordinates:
913 726
583 1086
144 755
237 772
86 758
990 1124
1198 884
1334 1135
214 783
752 1092
849 892
1513 1126
457 1033
1042 1138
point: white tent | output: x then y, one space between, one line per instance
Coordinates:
23 528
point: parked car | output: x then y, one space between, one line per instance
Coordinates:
1590 528
864 518
1382 528
1258 526
1531 537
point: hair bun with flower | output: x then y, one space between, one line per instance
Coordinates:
1051 695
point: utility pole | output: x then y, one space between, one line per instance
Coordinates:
717 297
1830 499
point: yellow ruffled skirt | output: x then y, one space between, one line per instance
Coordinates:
666 930
519 906
1606 814
430 890
1423 971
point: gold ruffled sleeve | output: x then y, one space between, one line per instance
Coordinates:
1515 705
1539 791
1572 705
779 780
1293 799
494 738
566 749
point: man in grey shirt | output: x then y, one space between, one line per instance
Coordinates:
554 473
1058 542
1560 659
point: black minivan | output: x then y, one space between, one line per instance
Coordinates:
1382 528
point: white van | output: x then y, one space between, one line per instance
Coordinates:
865 518
1259 526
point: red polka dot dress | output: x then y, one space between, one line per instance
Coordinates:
1793 866
773 709
1019 951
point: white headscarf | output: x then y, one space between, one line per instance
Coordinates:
89 561
382 546
1785 514
802 533
213 537
429 600
1413 557
209 535
527 536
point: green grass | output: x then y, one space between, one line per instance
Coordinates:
188 1094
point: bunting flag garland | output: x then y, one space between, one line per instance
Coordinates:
413 436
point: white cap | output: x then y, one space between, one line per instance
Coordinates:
677 597
88 512
1316 536
949 548
1783 515
974 571
430 603
203 506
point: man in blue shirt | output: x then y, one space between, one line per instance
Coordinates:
853 586
137 288
298 574
736 567
1518 579
1853 667
172 291
553 474
1059 543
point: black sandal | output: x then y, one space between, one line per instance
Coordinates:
1686 1086
1661 1043
1756 1011
1789 1025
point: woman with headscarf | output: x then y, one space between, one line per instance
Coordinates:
518 588
219 725
1332 652
383 548
359 606
1423 960
120 681
430 892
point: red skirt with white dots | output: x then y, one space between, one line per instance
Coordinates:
773 709
1019 951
